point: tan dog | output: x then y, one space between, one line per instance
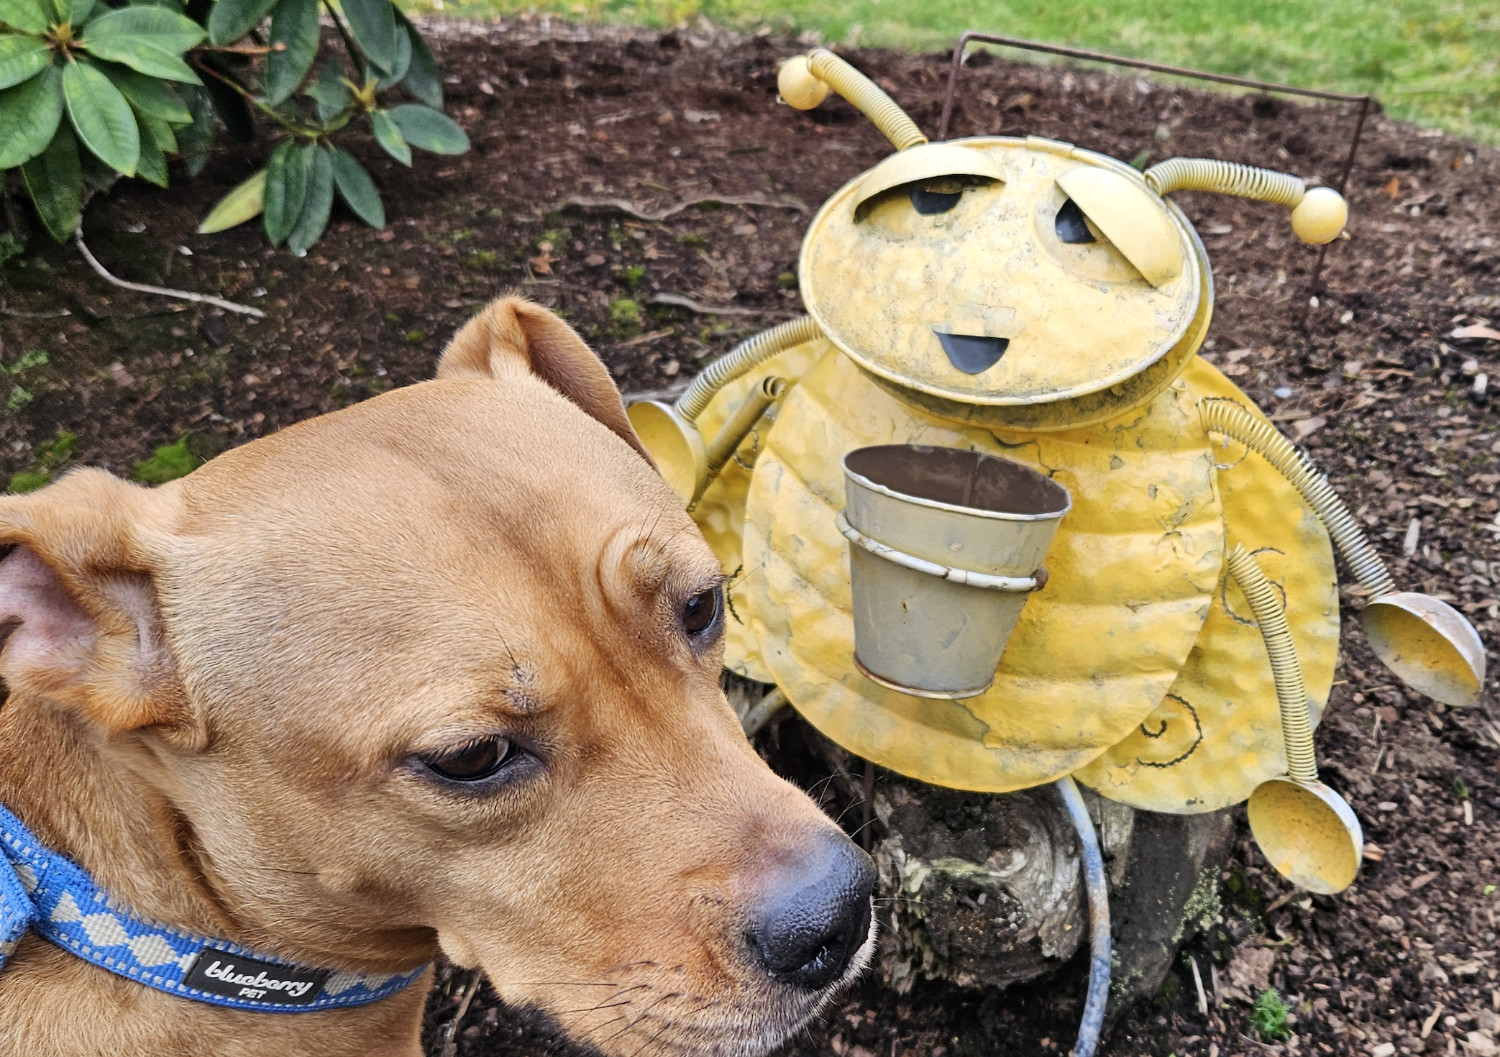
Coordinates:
438 670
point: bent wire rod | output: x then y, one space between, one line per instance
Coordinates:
1098 894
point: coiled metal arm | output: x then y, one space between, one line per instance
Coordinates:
741 360
1291 691
1226 417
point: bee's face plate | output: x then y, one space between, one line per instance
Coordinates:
1004 292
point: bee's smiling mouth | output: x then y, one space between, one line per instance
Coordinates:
972 353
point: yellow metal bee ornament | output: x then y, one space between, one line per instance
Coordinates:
1040 303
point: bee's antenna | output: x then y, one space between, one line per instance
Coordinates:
804 81
1318 214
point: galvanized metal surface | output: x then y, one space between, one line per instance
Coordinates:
947 573
956 540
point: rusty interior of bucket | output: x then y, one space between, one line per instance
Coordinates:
959 478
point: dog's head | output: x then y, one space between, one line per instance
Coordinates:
444 666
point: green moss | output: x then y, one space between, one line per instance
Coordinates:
50 458
18 398
27 481
167 463
26 361
631 274
59 448
624 310
1203 909
625 315
416 337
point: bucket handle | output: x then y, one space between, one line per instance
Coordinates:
1013 584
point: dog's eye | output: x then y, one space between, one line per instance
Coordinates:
473 762
701 612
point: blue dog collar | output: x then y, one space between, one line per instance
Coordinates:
51 895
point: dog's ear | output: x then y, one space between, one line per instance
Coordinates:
514 334
80 627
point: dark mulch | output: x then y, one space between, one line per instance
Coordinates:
1378 390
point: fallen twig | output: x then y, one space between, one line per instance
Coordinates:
705 310
1198 983
631 209
450 1032
160 291
20 314
1431 1021
646 339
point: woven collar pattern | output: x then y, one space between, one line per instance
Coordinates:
45 892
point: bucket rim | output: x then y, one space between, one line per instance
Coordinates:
937 504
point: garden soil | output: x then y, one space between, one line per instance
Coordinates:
1377 376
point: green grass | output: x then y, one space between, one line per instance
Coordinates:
1268 1016
1437 63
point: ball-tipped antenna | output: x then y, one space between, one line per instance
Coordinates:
1318 214
804 81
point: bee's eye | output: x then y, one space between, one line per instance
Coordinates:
1071 226
930 202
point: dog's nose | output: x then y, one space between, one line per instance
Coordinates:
815 914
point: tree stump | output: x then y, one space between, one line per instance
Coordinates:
984 890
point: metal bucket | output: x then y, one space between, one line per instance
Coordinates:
944 546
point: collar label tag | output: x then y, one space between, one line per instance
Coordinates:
219 972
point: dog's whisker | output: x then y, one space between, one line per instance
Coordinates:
592 1009
642 1015
653 1038
745 574
608 1002
847 808
817 787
